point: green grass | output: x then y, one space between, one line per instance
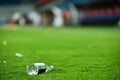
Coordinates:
75 53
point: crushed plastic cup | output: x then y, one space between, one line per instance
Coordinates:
38 68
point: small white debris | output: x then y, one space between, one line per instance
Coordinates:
18 55
4 62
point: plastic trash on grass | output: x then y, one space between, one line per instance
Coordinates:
38 68
18 55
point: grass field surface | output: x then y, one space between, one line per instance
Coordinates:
75 53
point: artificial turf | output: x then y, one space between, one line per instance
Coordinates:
75 53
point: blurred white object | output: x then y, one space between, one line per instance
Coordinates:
35 18
4 62
18 54
16 16
58 19
22 21
37 68
74 14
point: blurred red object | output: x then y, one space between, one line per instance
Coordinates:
9 22
109 11
117 10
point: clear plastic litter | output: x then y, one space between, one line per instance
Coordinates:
18 55
38 68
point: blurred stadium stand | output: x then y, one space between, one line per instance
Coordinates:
8 10
96 12
16 2
104 12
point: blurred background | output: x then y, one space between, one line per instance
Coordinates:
59 13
